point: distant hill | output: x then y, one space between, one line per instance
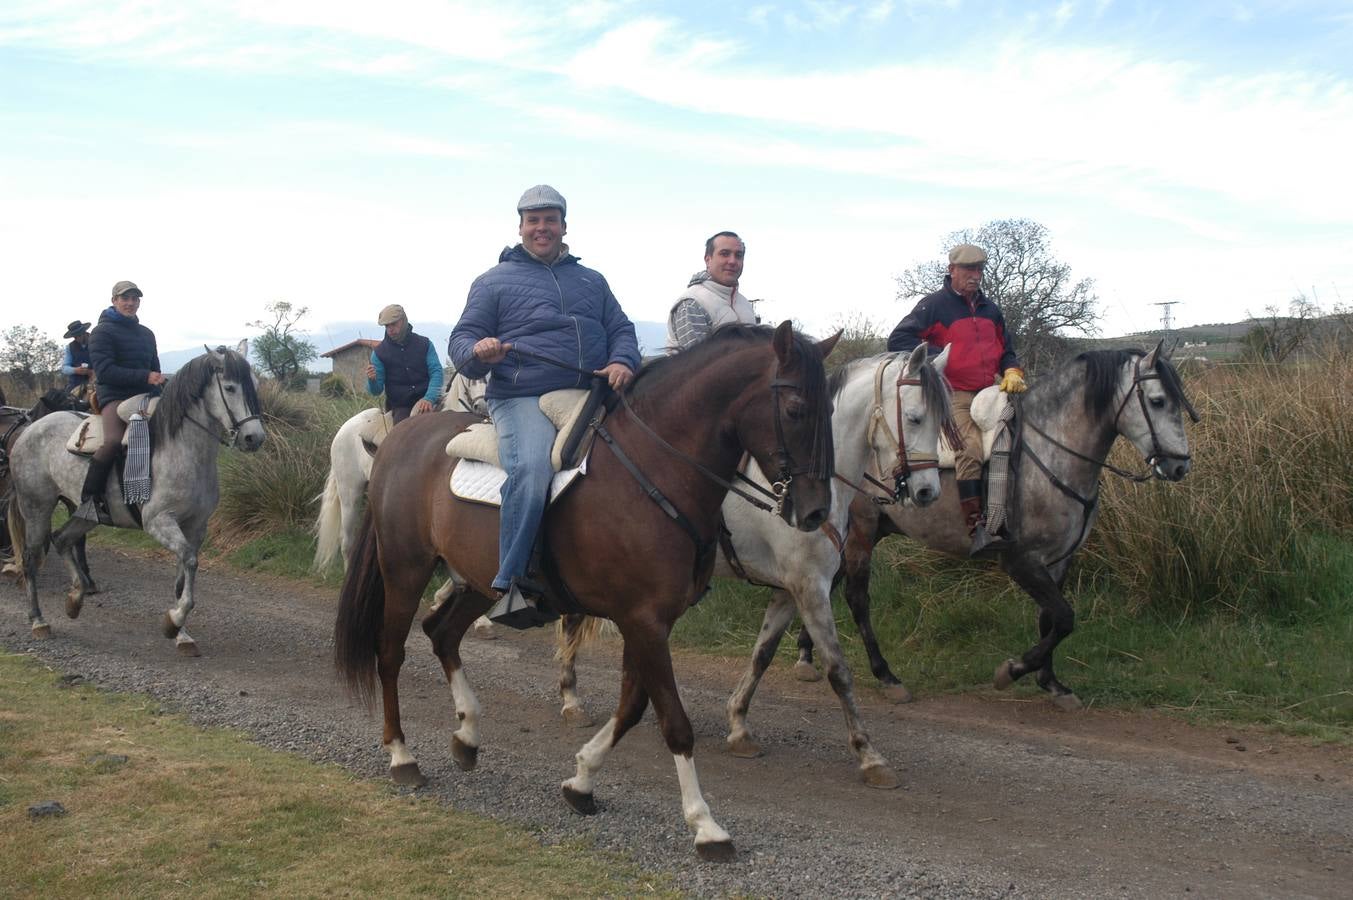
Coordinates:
652 338
1217 342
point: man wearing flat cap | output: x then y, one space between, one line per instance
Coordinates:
405 366
75 364
538 299
980 353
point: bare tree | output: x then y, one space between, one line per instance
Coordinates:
1274 337
1040 300
28 354
278 350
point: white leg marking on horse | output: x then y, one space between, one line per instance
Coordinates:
591 756
399 754
483 627
183 637
467 709
693 805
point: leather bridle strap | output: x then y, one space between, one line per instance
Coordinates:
649 488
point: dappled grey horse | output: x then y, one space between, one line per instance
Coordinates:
1068 420
887 416
211 401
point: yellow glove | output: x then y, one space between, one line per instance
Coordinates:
1013 381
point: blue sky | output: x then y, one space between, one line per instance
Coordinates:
346 155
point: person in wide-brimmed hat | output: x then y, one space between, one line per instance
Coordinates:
75 365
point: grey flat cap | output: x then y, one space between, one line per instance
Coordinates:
542 196
967 255
123 287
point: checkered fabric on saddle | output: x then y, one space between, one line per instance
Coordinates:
136 473
998 472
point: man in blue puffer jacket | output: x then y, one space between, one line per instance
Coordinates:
541 300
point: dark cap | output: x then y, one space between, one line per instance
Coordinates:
75 329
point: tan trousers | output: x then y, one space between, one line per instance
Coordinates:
968 461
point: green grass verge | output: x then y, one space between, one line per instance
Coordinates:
205 812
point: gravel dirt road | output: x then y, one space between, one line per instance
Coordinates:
1002 795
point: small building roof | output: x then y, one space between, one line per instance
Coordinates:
360 342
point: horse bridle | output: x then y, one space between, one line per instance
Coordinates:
908 462
231 434
1158 455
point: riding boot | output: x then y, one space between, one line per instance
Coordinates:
93 505
970 500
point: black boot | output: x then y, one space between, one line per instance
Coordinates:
93 505
970 500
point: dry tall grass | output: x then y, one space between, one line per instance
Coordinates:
1272 473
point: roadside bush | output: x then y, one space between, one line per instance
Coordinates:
1272 477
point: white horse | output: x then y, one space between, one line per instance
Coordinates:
216 395
888 414
350 456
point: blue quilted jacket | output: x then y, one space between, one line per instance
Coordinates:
124 354
565 312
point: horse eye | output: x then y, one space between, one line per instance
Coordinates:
914 418
230 389
1157 402
794 410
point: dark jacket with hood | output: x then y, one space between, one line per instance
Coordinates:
979 345
124 354
406 369
563 311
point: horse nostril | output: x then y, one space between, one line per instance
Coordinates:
813 520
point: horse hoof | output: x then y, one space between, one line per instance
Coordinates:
580 803
485 633
407 775
897 693
577 717
93 589
42 632
1004 678
74 603
880 776
716 851
744 747
168 627
465 756
188 649
1066 702
804 671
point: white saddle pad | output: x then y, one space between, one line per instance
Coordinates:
480 441
88 435
480 482
987 407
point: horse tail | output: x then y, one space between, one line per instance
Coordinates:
17 539
571 641
328 525
361 614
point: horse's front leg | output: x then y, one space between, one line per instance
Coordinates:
167 530
1056 620
861 538
779 612
816 611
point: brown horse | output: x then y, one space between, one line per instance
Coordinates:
633 541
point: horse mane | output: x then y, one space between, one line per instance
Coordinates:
935 390
1101 378
731 338
188 384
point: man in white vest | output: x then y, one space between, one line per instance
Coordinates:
712 298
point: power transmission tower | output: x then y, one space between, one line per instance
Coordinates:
1166 318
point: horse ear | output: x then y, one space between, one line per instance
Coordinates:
242 348
826 347
1149 361
940 362
783 342
916 360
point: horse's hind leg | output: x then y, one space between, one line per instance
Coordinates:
633 701
815 609
86 577
446 627
33 526
1056 620
779 612
573 632
69 542
403 590
861 539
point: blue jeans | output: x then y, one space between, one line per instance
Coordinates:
525 439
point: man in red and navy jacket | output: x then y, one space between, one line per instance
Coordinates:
980 349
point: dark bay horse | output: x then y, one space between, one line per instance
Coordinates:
1070 420
615 548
